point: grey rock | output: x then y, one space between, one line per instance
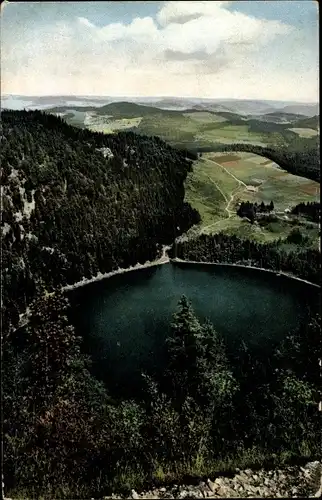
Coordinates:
211 485
222 492
134 495
203 489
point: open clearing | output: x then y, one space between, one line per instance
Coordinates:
305 132
110 125
230 134
205 117
222 180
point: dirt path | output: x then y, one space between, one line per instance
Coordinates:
229 202
219 189
229 173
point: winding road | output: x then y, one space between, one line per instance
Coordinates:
229 173
240 183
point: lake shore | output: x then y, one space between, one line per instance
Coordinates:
164 259
277 273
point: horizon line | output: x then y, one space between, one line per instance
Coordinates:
160 97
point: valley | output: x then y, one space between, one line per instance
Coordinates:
160 250
89 217
220 181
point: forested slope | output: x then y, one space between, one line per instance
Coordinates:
76 202
298 158
223 248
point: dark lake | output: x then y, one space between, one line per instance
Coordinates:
124 320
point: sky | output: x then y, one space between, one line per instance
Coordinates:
211 49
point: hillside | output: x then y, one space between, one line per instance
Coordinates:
76 203
219 181
303 109
202 126
126 110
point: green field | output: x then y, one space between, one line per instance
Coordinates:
109 125
228 134
305 132
220 181
192 128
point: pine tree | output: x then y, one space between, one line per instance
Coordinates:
182 347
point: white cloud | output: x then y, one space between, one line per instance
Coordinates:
180 12
191 48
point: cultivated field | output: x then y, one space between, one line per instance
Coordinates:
222 180
109 125
305 132
190 129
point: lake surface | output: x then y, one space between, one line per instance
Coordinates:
124 320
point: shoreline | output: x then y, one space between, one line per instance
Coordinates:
277 273
164 259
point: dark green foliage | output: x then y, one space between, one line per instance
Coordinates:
250 210
297 237
65 438
89 212
311 210
194 395
223 248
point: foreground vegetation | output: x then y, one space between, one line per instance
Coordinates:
64 437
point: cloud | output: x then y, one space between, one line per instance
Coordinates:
182 12
192 48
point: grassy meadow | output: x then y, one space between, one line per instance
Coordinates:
222 180
192 128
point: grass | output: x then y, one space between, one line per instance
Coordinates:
194 129
109 125
211 184
206 117
228 134
208 190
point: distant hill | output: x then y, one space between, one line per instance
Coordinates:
172 104
126 110
280 117
312 122
309 110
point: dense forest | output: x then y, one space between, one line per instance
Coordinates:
222 248
310 210
77 202
65 437
250 210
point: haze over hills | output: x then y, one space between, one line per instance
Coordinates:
239 106
150 150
